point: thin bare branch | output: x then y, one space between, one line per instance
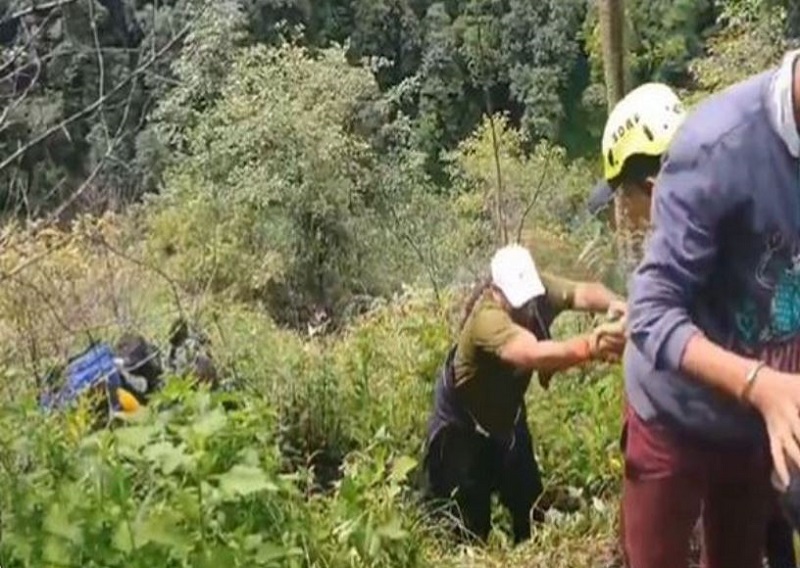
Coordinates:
62 50
212 275
502 227
93 106
34 9
101 69
18 100
58 51
53 190
25 264
83 187
100 239
496 150
429 268
37 258
22 49
45 298
534 198
112 144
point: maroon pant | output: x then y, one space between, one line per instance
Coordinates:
669 484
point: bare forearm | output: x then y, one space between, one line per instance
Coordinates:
715 366
593 297
554 356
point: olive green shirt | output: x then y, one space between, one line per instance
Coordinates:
491 389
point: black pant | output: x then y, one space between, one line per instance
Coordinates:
464 462
780 545
780 532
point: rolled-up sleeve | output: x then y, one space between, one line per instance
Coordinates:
689 201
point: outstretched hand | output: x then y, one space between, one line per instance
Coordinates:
608 340
776 396
617 309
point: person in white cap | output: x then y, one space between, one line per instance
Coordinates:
478 438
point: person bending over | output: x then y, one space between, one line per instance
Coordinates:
478 438
712 369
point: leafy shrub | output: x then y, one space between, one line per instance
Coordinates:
751 43
189 486
543 200
279 198
333 395
64 287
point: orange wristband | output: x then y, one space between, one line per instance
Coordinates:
580 348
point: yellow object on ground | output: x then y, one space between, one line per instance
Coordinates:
127 401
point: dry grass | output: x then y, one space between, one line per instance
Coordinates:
586 539
62 289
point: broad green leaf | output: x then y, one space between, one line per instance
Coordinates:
56 551
20 546
211 423
215 556
163 528
250 457
252 541
134 437
58 523
169 457
401 467
270 553
123 538
245 480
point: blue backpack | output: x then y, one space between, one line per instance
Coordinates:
94 368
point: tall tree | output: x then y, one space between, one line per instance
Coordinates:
612 23
628 213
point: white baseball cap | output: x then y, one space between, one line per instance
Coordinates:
515 275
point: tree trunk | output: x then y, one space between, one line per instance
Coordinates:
612 23
627 214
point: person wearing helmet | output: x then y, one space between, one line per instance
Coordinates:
636 135
478 439
712 369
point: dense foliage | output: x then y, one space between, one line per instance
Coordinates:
270 160
190 484
96 91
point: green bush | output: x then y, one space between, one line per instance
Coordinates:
189 485
280 198
543 197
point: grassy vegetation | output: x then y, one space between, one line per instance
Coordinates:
282 196
191 485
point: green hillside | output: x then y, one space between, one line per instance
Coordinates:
247 164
